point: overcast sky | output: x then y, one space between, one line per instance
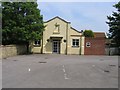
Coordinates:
82 15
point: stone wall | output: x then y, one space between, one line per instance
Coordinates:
12 50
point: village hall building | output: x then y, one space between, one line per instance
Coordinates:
60 38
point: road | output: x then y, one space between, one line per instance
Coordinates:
60 71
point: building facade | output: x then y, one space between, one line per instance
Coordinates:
59 37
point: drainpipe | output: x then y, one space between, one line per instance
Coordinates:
80 44
42 44
66 38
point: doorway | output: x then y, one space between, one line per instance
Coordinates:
56 46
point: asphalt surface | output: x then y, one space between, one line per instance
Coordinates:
0 71
60 71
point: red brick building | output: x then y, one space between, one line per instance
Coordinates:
95 45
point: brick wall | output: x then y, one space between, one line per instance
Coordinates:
97 46
12 50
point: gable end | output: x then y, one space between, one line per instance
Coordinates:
58 18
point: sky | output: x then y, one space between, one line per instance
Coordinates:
82 15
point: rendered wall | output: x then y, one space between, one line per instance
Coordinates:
49 30
65 35
73 34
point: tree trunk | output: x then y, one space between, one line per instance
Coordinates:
27 45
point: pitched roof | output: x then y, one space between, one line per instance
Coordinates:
99 34
58 18
75 30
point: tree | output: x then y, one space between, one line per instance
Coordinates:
21 23
114 25
88 33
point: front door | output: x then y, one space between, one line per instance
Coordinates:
56 46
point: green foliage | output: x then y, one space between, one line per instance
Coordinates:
114 25
21 22
88 33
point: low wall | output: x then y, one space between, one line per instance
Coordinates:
12 50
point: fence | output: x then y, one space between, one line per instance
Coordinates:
111 51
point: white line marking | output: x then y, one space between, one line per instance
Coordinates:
63 70
65 76
29 69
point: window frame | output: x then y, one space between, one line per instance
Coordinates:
38 43
88 44
75 42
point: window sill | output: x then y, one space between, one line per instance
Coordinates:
75 46
37 45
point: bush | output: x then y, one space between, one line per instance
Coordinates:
88 33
